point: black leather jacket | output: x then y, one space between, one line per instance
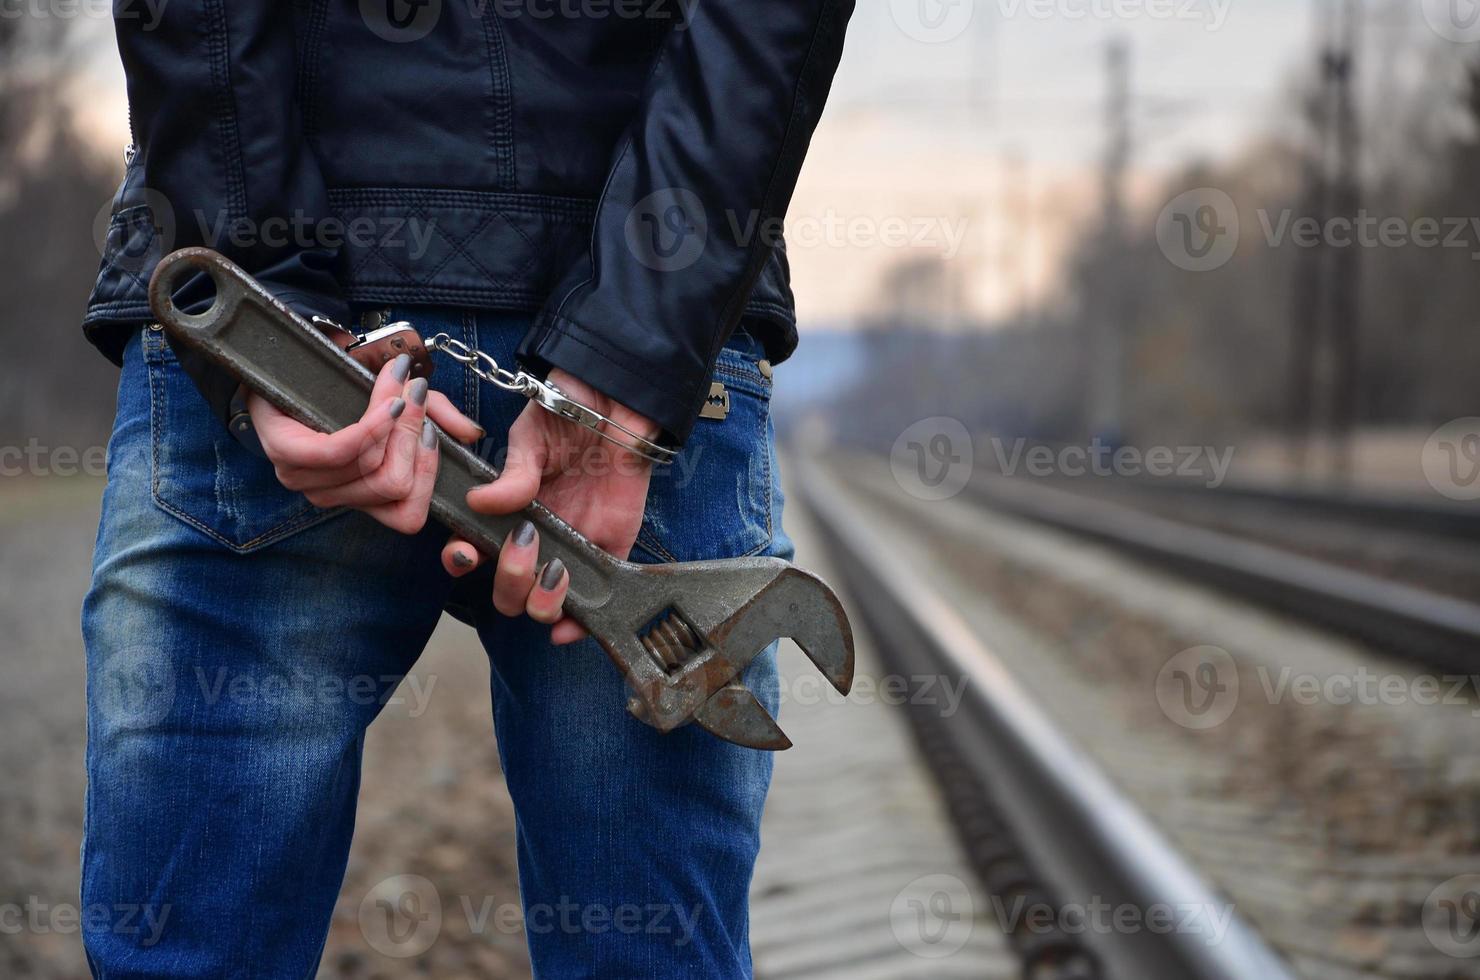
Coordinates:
619 166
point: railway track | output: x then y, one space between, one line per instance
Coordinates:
1413 622
1040 821
1433 517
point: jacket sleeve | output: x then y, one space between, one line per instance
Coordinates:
692 201
214 119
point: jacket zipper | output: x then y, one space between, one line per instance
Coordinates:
132 150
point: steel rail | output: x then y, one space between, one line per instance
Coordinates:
1088 841
1434 517
1418 625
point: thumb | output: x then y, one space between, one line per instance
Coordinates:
520 480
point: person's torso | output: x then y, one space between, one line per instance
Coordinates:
463 144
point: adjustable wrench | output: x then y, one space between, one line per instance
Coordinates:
679 633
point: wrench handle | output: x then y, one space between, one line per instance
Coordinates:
305 375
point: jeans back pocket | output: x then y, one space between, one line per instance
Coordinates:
200 473
717 499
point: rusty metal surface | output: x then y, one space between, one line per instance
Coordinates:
735 608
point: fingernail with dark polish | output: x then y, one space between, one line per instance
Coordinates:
524 534
418 391
462 559
428 435
401 367
550 577
397 407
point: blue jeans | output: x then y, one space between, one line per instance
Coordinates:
240 642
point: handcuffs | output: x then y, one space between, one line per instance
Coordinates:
383 341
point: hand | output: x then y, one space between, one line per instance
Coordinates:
597 487
384 464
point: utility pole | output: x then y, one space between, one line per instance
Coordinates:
1346 274
1326 302
1111 320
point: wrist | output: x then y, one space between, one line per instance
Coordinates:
610 407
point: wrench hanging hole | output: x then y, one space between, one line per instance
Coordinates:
196 273
671 640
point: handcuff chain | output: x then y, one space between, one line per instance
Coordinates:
475 359
548 397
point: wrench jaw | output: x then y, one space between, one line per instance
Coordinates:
801 606
790 602
734 714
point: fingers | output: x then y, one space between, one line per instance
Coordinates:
459 557
548 594
519 587
517 485
290 443
454 423
305 478
514 577
384 464
418 502
409 513
396 475
567 631
293 445
391 379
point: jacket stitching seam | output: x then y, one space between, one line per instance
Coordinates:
459 246
220 45
308 100
503 94
450 199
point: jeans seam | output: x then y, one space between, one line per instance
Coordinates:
470 378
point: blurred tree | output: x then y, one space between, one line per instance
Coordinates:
53 184
1209 354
